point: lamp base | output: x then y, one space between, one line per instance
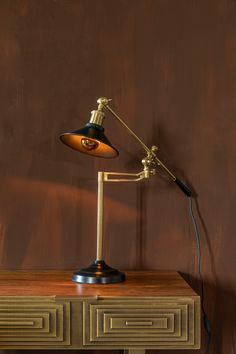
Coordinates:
98 273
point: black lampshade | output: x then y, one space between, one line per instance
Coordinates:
90 140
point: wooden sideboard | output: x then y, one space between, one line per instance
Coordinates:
46 310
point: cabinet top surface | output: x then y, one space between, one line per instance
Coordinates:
58 283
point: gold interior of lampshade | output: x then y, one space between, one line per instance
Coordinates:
89 146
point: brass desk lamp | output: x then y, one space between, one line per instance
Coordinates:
92 140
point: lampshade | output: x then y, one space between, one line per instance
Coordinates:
90 140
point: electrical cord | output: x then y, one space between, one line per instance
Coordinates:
206 321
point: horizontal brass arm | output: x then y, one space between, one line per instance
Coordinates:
121 177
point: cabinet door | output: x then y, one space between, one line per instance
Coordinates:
34 322
172 322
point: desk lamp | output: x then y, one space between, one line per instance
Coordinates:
91 140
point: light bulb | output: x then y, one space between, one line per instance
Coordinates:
89 144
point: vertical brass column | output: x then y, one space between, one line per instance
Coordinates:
100 216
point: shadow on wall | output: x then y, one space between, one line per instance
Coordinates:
36 208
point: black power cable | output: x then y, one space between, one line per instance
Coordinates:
206 321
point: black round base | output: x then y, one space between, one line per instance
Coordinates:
98 273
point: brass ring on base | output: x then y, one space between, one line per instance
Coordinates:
98 273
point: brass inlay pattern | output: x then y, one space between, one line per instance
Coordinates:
160 323
138 323
100 322
15 323
34 323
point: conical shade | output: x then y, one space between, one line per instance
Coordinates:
90 140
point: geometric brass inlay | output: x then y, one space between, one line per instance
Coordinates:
34 322
168 322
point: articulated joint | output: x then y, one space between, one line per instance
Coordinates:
149 162
103 102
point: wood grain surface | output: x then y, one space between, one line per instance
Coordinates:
58 283
170 68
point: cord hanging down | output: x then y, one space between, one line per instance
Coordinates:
206 321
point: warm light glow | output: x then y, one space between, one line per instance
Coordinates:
89 146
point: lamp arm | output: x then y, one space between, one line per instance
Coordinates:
123 177
131 132
150 152
151 159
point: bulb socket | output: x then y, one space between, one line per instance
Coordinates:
97 117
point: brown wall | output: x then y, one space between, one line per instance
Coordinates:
170 67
